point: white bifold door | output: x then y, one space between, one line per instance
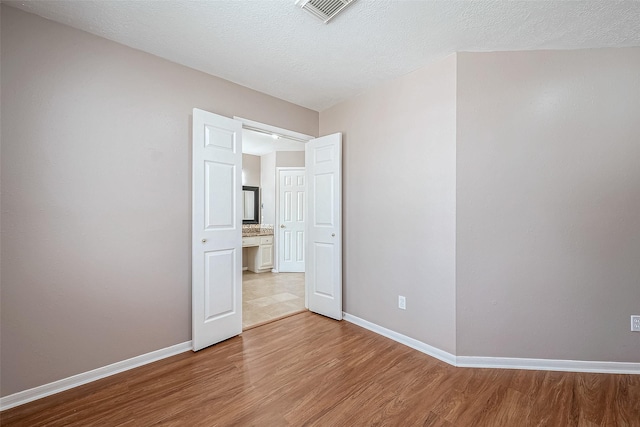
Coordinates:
217 228
323 273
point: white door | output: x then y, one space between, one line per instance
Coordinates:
323 276
291 242
217 229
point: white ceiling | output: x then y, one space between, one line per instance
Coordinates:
276 48
260 144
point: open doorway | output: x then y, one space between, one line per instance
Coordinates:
273 282
217 242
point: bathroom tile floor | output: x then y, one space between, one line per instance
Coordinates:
268 296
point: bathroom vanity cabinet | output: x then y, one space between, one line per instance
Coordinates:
259 253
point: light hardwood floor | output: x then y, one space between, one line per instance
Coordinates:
269 296
307 370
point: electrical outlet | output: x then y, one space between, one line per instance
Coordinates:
635 323
402 302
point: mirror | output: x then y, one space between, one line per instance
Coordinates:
250 205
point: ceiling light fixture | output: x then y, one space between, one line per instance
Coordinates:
324 10
272 134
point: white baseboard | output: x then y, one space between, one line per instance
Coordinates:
500 362
549 365
402 339
39 392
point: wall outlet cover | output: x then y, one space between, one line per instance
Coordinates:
402 302
635 323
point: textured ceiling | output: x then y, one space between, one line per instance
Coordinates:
276 48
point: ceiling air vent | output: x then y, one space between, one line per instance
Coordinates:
324 10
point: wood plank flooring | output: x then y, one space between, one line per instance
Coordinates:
307 370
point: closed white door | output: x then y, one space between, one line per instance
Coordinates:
216 229
291 231
323 276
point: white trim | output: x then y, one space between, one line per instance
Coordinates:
402 339
45 390
500 362
273 129
549 365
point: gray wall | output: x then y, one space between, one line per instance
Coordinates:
548 205
96 196
399 203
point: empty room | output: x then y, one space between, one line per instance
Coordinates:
320 212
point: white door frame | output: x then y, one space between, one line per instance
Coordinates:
250 124
276 247
261 127
303 138
253 125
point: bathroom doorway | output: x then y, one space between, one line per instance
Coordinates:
217 225
269 296
275 165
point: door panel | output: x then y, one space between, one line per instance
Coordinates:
323 277
219 137
219 186
323 208
219 296
216 229
291 250
300 246
266 259
300 204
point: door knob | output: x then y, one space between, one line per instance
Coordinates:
282 226
204 240
333 234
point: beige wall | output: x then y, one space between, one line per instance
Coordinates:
96 196
399 203
289 159
95 175
0 199
548 204
251 170
518 237
268 188
251 177
268 178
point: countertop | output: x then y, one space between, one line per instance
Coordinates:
258 233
